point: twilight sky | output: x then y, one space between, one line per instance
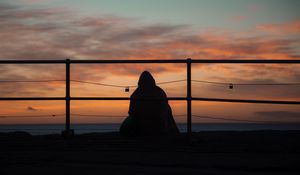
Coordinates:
144 29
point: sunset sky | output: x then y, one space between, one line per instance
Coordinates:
149 29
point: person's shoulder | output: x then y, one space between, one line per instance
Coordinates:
161 91
135 93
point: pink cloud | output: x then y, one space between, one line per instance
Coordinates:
287 28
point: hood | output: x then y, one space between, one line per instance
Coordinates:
146 80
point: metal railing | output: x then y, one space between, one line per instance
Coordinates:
188 98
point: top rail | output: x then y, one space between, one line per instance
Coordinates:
150 61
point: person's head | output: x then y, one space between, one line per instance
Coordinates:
146 80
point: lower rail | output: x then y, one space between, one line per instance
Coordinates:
170 98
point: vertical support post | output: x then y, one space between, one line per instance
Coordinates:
189 98
68 132
67 95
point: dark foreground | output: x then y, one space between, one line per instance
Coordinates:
257 152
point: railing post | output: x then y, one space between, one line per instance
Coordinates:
189 98
68 131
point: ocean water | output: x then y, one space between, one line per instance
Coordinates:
88 128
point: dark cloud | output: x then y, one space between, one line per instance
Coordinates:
5 7
146 33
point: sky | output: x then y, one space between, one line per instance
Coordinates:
156 29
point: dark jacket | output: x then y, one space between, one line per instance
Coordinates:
149 108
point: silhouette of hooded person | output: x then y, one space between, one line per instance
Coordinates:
149 111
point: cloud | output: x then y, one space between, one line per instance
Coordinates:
58 33
279 114
292 27
4 7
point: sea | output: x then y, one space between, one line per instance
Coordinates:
44 129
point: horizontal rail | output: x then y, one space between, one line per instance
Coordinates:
89 61
150 61
126 61
169 98
248 61
32 61
185 61
124 98
81 98
30 98
247 101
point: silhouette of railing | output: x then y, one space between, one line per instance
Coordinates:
188 98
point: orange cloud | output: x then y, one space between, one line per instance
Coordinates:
288 28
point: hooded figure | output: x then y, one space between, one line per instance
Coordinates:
149 110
